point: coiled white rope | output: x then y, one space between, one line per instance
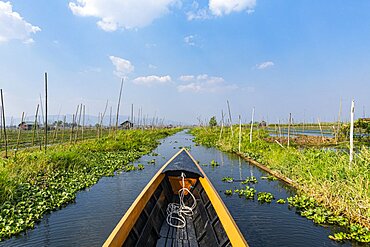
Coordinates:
176 212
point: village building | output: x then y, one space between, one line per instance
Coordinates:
126 125
27 125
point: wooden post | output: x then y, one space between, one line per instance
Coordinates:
64 127
231 122
46 111
42 110
102 119
73 123
40 136
132 114
290 122
279 127
1 122
240 132
251 131
322 135
83 122
110 118
222 124
78 122
97 126
35 125
4 125
338 128
119 102
351 133
19 135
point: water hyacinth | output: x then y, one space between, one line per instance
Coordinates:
36 182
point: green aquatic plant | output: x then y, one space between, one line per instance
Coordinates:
129 168
247 192
151 162
309 208
214 163
323 174
37 182
265 197
228 192
250 180
281 201
140 167
355 232
227 179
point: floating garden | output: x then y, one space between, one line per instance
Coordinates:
37 182
338 191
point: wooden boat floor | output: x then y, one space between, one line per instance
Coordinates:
173 236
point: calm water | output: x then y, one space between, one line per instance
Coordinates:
295 132
89 220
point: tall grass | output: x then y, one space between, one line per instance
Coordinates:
325 175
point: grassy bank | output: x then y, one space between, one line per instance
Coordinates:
325 176
36 182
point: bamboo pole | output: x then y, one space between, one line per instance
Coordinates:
240 132
4 125
73 123
110 118
231 122
64 128
119 102
280 134
42 110
338 127
1 122
46 111
102 119
290 122
351 133
19 135
97 126
78 122
83 122
222 124
322 135
40 137
251 131
35 125
132 115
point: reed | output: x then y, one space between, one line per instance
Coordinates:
324 175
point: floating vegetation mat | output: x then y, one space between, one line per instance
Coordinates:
36 182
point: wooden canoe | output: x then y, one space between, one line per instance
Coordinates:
145 224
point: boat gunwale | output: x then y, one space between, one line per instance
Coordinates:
121 231
118 235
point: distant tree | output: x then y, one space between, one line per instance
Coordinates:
213 121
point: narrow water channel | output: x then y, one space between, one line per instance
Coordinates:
89 220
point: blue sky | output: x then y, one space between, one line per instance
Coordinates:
183 59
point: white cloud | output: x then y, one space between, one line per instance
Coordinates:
190 40
13 26
127 14
204 83
150 45
152 66
265 65
223 7
197 13
152 80
187 78
122 66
